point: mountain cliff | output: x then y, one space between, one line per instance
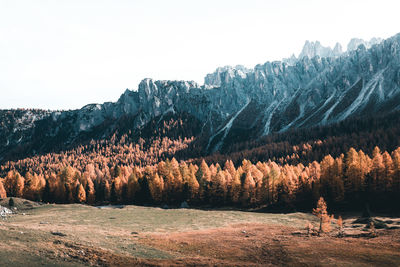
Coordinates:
320 87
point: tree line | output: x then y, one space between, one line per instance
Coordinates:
347 180
308 144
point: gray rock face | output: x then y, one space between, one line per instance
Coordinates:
322 86
356 42
313 49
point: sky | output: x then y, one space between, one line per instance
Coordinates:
64 54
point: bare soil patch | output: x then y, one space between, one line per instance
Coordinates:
261 245
78 235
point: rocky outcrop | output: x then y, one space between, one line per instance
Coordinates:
320 87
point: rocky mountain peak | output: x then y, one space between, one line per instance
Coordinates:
313 49
356 42
225 75
318 88
337 50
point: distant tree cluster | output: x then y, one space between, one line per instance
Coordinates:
306 145
102 154
351 178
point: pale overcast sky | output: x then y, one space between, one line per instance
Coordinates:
58 54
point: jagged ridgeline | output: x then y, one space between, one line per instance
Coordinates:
235 106
279 135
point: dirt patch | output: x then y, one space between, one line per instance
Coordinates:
144 236
263 245
239 245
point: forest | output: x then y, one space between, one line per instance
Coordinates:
350 164
348 181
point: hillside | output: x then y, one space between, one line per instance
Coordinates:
279 135
320 88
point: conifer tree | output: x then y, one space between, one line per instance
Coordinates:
67 180
90 191
387 172
353 182
331 178
14 184
19 186
156 186
321 212
236 188
116 190
3 193
107 191
133 186
273 178
377 183
229 167
81 194
204 178
193 184
30 186
248 196
396 172
177 180
34 186
218 189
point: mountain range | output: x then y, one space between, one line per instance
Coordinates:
320 87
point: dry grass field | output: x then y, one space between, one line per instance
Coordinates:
79 235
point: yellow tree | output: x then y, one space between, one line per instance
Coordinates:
67 178
19 186
353 174
332 186
177 181
14 184
365 165
90 191
229 167
133 186
3 193
9 183
321 212
396 171
30 187
107 191
156 187
272 181
56 189
236 189
116 190
337 180
204 177
193 184
387 172
218 188
80 194
377 172
34 186
248 196
184 169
